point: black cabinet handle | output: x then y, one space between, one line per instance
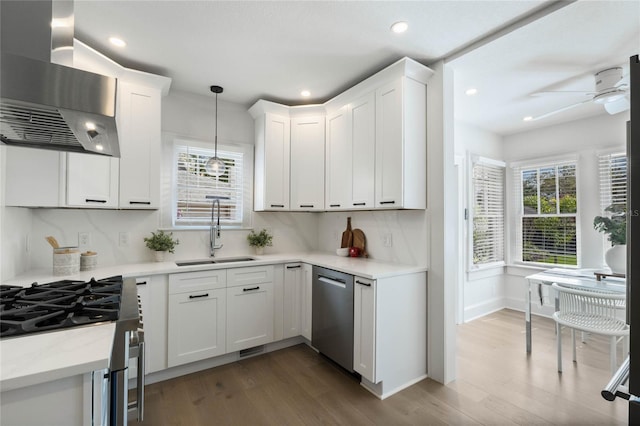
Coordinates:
141 283
147 203
293 267
251 289
361 283
277 205
387 202
306 206
334 205
90 200
359 204
196 296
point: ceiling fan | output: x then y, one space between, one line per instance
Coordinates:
611 91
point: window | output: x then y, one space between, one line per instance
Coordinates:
548 209
488 212
613 179
193 184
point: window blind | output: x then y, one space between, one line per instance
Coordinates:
546 203
193 184
488 213
613 179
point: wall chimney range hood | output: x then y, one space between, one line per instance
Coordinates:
47 105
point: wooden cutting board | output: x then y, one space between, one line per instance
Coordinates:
360 241
347 236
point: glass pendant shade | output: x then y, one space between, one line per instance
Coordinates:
215 166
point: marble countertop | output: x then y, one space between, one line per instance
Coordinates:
44 357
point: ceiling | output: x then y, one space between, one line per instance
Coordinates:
273 50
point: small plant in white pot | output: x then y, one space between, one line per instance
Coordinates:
615 226
260 240
161 242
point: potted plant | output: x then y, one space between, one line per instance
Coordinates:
260 240
160 243
615 226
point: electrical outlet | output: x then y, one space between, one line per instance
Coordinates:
123 239
387 240
84 239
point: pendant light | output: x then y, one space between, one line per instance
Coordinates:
215 166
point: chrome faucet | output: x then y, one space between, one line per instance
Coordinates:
214 229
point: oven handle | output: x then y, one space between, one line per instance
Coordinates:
138 404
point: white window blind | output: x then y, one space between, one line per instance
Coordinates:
193 184
488 213
613 179
547 205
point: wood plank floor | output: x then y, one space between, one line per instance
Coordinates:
497 384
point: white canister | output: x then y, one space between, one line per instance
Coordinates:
66 261
88 261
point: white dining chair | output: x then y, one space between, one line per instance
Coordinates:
591 312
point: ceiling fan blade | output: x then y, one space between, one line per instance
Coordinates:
615 107
559 110
563 92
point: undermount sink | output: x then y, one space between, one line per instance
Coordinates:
212 261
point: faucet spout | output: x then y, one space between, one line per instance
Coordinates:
214 228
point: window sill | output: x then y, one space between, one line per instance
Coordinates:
203 228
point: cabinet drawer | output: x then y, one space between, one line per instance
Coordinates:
195 281
250 275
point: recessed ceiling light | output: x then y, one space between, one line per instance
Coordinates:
472 91
305 93
527 118
117 41
399 27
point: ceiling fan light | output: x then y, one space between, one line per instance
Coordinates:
611 96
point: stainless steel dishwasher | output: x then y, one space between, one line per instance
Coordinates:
332 315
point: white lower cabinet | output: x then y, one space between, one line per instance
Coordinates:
250 307
305 314
292 306
197 316
364 328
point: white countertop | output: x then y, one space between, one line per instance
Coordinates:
43 357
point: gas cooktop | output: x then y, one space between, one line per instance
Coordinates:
60 304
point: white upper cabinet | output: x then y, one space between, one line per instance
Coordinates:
351 156
139 115
272 162
307 163
92 181
401 145
33 177
375 145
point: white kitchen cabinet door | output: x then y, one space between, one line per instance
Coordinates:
196 326
364 328
306 314
33 177
153 299
363 127
250 312
292 307
338 160
307 163
272 162
400 174
139 115
92 181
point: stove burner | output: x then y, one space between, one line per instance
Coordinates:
60 304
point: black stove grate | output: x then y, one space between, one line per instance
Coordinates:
61 304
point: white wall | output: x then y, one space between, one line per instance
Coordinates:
481 292
584 138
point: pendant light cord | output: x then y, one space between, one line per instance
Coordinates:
216 134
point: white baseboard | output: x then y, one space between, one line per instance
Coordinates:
481 309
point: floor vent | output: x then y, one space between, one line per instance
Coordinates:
252 351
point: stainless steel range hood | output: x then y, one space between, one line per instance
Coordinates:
46 105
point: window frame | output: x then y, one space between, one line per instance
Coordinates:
519 215
606 193
474 160
247 185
